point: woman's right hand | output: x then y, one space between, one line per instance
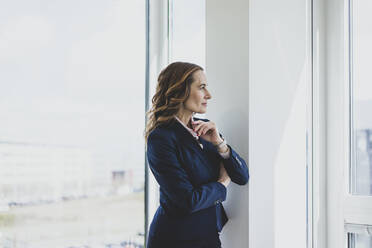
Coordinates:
224 177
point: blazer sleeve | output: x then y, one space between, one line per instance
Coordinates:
173 180
235 166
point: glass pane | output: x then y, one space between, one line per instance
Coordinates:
188 33
359 236
72 102
361 53
357 240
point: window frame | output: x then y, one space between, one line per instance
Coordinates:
358 209
343 208
157 57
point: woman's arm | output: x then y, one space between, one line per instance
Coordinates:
173 180
235 166
233 163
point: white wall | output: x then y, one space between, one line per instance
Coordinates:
273 62
227 76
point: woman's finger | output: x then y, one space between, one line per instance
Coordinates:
205 129
195 123
198 126
202 128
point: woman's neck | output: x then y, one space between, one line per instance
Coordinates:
185 117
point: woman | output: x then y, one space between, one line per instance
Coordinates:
190 160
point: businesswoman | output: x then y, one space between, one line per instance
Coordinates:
190 160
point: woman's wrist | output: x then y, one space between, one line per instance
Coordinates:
219 141
224 183
221 145
223 149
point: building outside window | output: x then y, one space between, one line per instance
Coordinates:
72 103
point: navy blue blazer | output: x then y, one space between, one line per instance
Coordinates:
190 210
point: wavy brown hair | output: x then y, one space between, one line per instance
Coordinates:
172 90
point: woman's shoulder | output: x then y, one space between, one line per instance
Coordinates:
161 138
162 132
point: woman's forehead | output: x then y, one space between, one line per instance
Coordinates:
199 76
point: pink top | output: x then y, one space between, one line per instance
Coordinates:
225 155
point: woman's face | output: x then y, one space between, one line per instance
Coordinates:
197 101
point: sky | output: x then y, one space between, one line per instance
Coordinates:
73 72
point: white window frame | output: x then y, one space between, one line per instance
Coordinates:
358 209
158 58
341 207
318 181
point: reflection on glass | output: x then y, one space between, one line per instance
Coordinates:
71 110
356 240
361 53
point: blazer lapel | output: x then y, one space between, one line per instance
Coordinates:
185 136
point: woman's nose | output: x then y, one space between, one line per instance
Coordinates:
208 95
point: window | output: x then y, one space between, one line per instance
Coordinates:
348 77
361 53
359 200
72 102
173 38
359 236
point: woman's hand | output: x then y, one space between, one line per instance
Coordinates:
207 130
224 177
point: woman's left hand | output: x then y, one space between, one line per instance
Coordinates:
207 130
